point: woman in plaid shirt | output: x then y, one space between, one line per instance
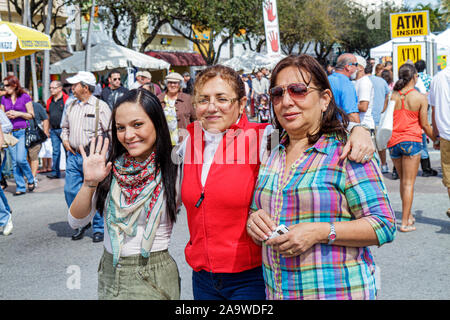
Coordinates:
334 208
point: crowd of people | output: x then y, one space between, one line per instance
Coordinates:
293 137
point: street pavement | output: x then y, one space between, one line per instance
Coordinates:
40 261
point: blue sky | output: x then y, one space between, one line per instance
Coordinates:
413 3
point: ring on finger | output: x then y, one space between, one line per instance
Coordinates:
290 252
249 225
366 158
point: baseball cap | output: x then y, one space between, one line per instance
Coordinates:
361 61
83 76
186 74
144 74
174 76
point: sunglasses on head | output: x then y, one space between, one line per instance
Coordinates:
297 91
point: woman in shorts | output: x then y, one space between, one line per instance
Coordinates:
410 117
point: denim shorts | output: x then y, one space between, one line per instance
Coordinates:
406 148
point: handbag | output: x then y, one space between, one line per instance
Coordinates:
34 134
9 140
384 131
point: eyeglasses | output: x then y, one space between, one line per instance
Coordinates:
220 102
54 88
297 91
353 64
173 83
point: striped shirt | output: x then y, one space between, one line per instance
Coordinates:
320 188
78 125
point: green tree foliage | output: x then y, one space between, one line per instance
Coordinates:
367 28
436 17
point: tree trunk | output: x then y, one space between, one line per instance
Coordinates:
87 61
46 71
22 59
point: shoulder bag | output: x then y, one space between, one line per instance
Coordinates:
34 134
384 131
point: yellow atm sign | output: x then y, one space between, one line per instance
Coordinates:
409 24
409 52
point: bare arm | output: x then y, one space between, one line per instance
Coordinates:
363 106
423 117
95 170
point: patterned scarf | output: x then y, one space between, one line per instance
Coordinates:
135 186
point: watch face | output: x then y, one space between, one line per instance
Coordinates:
332 237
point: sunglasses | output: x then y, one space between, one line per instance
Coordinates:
353 64
7 85
115 79
297 91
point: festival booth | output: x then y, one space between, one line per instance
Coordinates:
250 62
105 57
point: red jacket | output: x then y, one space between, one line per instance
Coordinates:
49 100
217 213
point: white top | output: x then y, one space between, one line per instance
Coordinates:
365 92
439 98
131 245
260 86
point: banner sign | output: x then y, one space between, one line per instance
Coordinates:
270 15
8 40
409 52
409 24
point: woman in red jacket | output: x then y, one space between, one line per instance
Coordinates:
221 159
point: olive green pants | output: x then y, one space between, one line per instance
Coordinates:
139 278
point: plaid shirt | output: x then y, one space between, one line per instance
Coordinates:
320 188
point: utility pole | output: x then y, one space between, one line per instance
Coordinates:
46 73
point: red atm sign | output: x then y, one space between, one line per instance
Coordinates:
409 24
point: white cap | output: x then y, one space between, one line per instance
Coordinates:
83 76
174 76
144 74
361 61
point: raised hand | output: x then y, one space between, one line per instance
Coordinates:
273 38
269 10
95 168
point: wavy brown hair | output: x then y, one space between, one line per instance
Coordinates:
334 120
13 81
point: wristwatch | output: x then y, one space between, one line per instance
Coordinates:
352 125
332 234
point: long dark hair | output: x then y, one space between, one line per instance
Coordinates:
334 120
405 75
163 148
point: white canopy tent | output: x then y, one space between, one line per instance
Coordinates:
251 61
107 56
442 40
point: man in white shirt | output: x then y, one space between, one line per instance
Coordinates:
439 99
365 94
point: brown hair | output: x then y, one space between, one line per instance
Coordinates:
334 120
13 81
405 75
379 67
229 75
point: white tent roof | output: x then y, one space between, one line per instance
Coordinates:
251 61
108 55
385 49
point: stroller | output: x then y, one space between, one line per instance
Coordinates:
263 108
